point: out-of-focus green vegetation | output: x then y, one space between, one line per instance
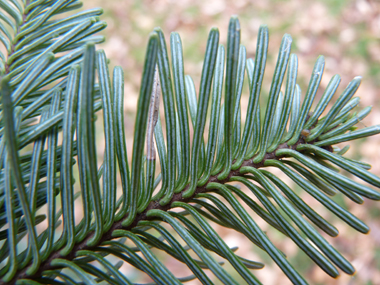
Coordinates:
346 32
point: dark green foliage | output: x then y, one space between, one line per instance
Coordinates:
53 81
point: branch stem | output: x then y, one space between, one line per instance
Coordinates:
177 197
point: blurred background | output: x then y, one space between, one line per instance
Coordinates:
346 32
